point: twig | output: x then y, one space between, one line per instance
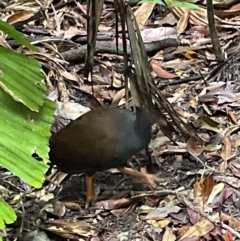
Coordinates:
213 32
185 200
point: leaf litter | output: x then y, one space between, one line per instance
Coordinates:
197 197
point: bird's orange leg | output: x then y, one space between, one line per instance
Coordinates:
148 178
91 197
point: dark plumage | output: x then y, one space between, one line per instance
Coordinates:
101 139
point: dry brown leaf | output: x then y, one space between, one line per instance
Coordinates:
168 235
231 221
208 185
159 224
224 195
215 190
72 205
205 137
216 232
228 236
143 13
202 29
199 17
118 96
55 207
183 230
183 22
235 7
99 92
209 124
233 181
223 166
117 81
233 115
194 147
104 28
226 151
68 229
235 143
113 204
4 43
69 75
193 101
96 88
118 212
169 19
20 16
161 72
199 229
193 216
162 212
82 7
177 64
122 102
74 31
120 194
198 190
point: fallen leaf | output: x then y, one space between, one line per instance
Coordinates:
20 16
226 150
143 13
160 72
162 212
231 221
113 204
194 147
228 236
215 190
208 185
159 224
168 235
74 31
204 30
199 229
183 21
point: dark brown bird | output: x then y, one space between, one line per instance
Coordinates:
101 139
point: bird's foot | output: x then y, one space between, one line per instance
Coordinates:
90 199
143 175
148 178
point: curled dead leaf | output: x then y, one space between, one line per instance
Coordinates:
160 72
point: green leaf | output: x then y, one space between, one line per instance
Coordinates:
7 214
23 133
184 5
20 76
160 2
145 1
11 31
24 124
168 2
152 1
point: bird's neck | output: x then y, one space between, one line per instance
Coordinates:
145 117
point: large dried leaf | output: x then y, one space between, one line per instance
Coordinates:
199 229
